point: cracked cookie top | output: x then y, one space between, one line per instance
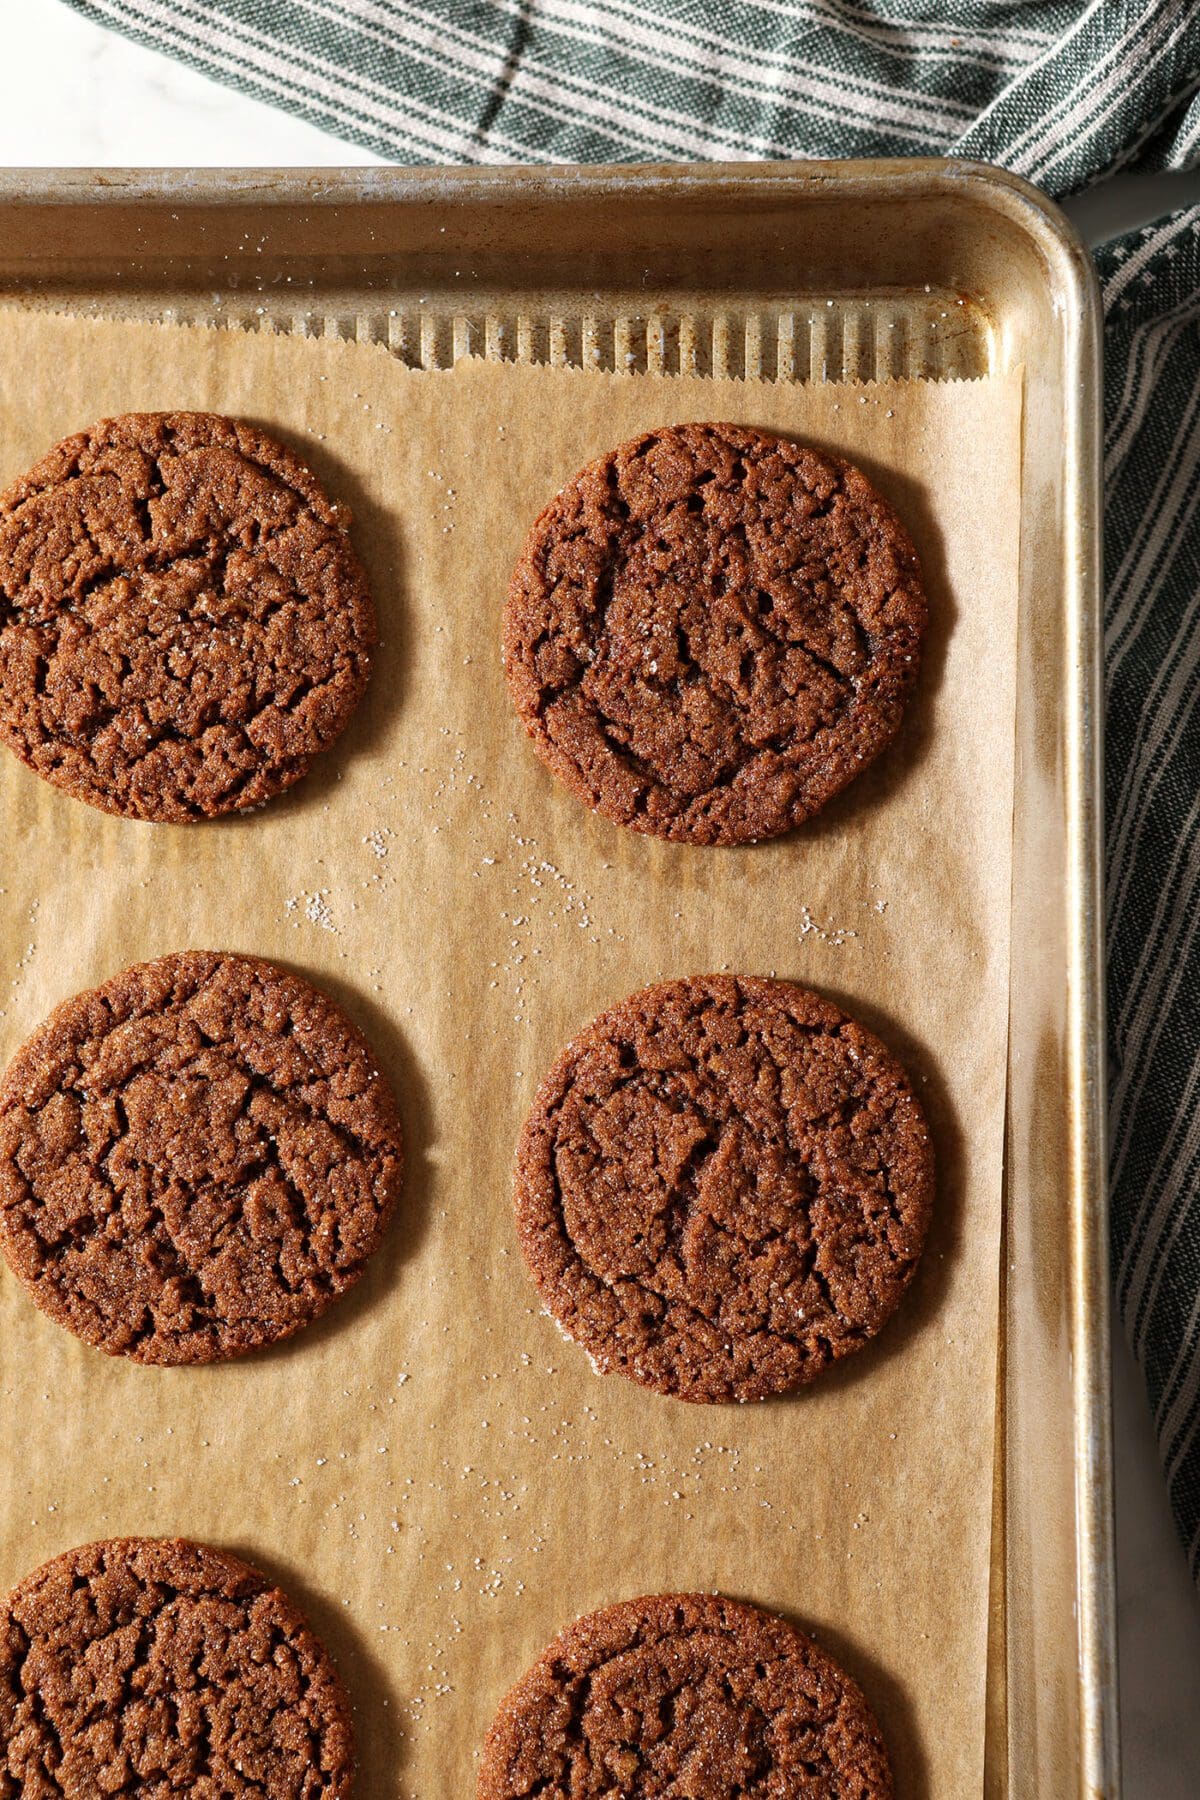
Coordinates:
154 1667
711 630
196 1158
183 622
684 1694
723 1186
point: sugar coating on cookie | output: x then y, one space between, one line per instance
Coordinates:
155 1667
184 624
684 1694
196 1158
711 630
723 1186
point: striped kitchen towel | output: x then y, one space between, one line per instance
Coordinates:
1059 91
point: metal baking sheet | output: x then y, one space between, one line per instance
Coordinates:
811 272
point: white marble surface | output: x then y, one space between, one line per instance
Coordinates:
75 95
72 94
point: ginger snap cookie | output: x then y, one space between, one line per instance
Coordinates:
196 1158
684 1694
184 624
155 1667
723 1186
711 630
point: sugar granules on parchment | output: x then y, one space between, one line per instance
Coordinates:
480 1495
543 889
24 957
314 906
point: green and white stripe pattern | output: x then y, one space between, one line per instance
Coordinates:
1056 90
1062 91
1152 643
